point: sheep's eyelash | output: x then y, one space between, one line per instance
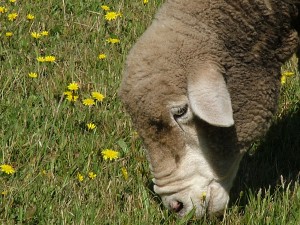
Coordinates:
179 111
181 114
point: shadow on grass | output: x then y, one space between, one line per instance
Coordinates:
277 155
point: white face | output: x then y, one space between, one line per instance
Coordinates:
195 183
185 119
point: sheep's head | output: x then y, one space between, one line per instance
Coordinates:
182 111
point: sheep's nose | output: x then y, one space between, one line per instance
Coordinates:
176 206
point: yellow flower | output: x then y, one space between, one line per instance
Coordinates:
113 40
80 177
12 16
112 16
12 1
98 96
50 58
68 93
110 154
283 80
30 16
92 175
101 56
284 76
7 169
73 86
203 196
3 9
145 2
40 59
105 7
35 35
44 33
9 34
125 173
288 74
135 134
91 126
72 98
33 75
4 193
88 102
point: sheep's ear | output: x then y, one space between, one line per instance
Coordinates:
209 97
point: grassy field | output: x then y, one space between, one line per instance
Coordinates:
52 167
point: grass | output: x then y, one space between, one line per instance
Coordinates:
44 136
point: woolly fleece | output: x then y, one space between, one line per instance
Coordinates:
247 40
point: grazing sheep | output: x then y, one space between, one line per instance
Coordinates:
201 85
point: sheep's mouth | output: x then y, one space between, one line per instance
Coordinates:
176 206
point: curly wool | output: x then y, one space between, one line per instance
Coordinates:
247 40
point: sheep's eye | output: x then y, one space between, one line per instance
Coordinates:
179 111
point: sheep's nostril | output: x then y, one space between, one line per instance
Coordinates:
176 206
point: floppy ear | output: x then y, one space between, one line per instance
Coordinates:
209 97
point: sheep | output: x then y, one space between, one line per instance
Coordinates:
201 84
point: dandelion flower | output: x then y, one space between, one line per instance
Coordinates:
44 33
284 76
88 101
203 196
9 34
92 175
4 193
145 2
98 96
3 9
283 80
113 40
12 16
105 7
7 169
50 58
80 177
30 16
72 98
288 74
12 1
32 75
68 93
90 126
73 86
35 35
40 59
135 134
101 56
125 173
110 154
109 16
